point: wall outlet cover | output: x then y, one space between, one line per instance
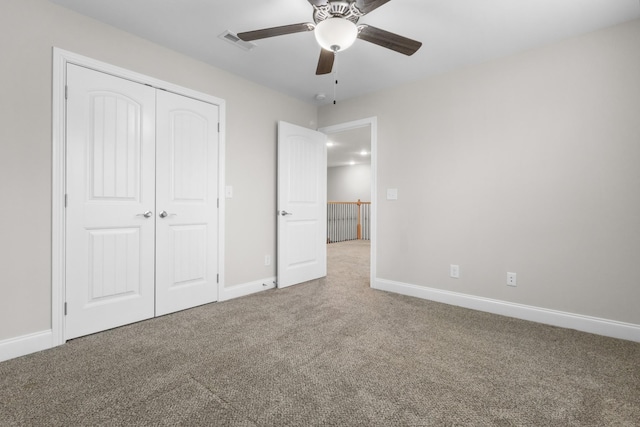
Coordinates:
454 271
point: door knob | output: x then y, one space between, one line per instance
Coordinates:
164 214
147 214
285 213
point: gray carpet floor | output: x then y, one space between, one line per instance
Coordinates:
331 352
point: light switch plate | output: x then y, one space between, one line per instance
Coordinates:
392 194
228 192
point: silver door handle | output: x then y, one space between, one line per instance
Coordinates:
164 214
147 214
285 213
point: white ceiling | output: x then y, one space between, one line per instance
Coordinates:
348 147
454 33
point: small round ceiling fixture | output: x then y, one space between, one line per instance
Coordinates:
336 34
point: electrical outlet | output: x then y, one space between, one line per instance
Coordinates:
454 271
511 279
267 260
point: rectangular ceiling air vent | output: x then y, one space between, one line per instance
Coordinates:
230 37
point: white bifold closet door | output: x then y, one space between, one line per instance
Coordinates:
141 215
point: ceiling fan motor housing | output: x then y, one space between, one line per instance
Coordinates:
337 9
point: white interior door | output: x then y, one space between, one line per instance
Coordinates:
110 202
186 203
302 204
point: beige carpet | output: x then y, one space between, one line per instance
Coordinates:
332 353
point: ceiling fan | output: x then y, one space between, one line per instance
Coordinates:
335 27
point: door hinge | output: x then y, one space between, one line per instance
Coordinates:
218 203
66 92
218 127
66 200
65 308
217 278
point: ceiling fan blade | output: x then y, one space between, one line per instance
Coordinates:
389 40
325 63
366 6
248 36
318 2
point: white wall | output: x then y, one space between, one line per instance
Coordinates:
30 29
529 164
349 183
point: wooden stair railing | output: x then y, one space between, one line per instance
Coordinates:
340 221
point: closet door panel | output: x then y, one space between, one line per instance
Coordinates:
110 185
186 201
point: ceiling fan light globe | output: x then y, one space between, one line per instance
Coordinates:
336 34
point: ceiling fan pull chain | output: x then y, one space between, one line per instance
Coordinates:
335 84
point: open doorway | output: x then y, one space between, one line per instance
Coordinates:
351 177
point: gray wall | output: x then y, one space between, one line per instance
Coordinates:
349 183
30 29
529 163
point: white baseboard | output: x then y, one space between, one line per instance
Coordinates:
245 289
25 344
594 325
31 343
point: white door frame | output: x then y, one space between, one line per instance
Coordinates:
373 123
60 60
